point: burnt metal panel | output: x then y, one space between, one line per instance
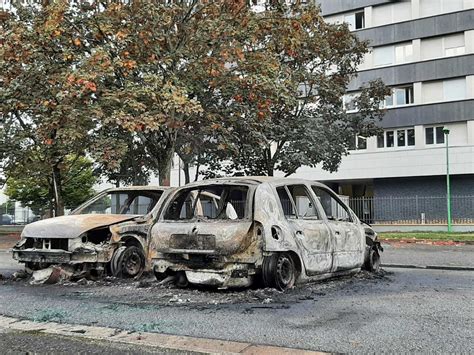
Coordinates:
454 111
419 28
437 69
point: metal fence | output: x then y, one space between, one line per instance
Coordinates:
18 215
373 210
413 210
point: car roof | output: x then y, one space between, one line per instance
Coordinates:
138 188
254 180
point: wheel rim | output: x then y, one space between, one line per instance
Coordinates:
132 264
285 271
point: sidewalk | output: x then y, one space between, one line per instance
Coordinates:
428 255
160 342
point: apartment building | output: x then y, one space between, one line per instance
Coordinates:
423 50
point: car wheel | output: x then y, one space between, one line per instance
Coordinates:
128 262
279 271
373 262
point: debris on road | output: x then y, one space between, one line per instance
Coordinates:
51 275
19 275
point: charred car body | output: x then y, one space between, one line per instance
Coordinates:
107 232
233 232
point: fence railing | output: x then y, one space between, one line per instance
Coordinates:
373 210
413 209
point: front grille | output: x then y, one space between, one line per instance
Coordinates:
193 241
47 243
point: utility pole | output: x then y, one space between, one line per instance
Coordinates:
448 186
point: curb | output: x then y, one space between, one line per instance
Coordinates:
433 267
432 242
156 340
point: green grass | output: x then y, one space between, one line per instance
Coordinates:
461 237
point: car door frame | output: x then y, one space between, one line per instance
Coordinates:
311 235
348 241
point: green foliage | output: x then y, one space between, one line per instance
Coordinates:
132 83
31 187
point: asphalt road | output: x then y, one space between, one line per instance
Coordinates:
405 310
401 310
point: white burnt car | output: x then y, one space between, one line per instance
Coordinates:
107 232
232 232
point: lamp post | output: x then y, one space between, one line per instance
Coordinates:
448 186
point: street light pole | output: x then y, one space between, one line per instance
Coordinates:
448 186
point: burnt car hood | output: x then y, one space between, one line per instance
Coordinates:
71 226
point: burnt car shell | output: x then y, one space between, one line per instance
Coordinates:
89 239
271 241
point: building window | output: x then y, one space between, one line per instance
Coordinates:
390 13
411 137
400 138
361 142
454 89
389 139
400 96
380 140
359 20
383 56
435 7
350 103
355 21
434 135
454 45
404 53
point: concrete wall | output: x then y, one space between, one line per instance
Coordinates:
424 186
424 198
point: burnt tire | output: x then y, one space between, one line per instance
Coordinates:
128 262
279 271
372 263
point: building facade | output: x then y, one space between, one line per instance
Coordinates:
423 50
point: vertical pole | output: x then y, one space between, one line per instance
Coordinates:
448 187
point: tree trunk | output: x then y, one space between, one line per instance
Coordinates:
164 168
57 192
269 161
196 176
186 172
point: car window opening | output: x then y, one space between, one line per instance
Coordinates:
222 202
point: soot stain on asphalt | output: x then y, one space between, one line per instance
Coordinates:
120 295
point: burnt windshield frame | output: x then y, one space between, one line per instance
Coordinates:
131 195
196 191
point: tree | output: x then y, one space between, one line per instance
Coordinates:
44 97
169 70
31 186
304 122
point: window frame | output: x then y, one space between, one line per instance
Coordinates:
293 203
198 189
434 136
396 131
352 217
409 93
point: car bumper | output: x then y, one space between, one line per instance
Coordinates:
56 256
231 275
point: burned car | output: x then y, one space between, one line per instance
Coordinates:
108 232
234 232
